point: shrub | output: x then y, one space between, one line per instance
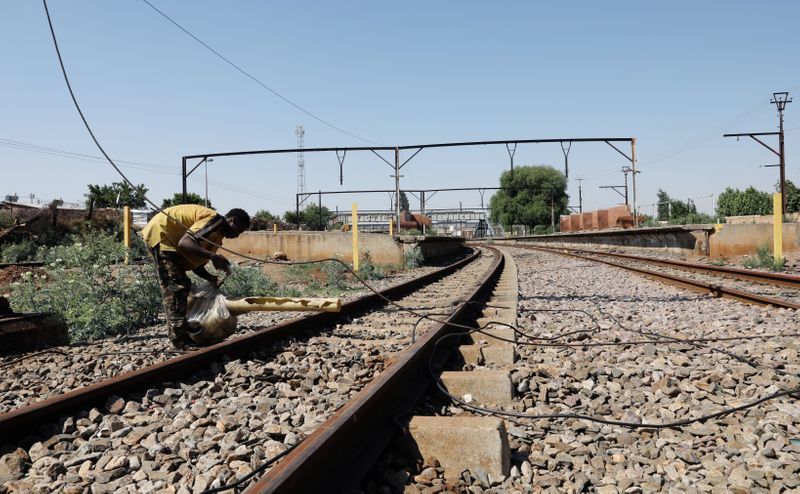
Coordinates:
86 287
248 281
24 250
414 257
541 229
368 270
765 260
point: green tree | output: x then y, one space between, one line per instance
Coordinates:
115 195
528 200
678 209
734 202
792 196
191 198
404 201
263 219
313 216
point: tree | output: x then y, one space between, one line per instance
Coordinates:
115 195
792 196
263 219
528 201
191 198
313 216
734 202
669 209
404 202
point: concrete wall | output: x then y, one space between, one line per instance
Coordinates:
306 246
745 239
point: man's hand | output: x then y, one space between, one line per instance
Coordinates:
221 263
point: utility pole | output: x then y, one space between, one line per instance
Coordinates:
580 195
634 172
615 188
397 187
301 161
779 99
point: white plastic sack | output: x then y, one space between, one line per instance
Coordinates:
209 315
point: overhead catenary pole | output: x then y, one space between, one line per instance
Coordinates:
634 172
580 196
397 187
780 100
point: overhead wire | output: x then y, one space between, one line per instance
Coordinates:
254 78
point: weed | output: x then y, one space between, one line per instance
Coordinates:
764 260
248 282
368 270
722 261
87 287
24 250
414 257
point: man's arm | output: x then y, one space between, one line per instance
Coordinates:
203 273
189 245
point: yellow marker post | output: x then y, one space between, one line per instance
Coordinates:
275 228
777 226
391 224
126 233
355 237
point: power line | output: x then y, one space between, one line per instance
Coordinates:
167 170
254 78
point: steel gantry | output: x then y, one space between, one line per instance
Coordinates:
341 153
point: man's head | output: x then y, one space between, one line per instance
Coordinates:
236 221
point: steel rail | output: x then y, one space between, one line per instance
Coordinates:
788 280
339 453
694 285
17 423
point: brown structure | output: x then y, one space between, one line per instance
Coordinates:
602 219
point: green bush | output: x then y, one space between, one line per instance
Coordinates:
248 282
24 250
765 260
88 287
541 229
414 257
368 270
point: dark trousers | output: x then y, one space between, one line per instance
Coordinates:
175 287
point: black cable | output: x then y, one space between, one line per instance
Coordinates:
31 355
261 468
252 77
631 425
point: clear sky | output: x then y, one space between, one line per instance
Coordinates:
675 75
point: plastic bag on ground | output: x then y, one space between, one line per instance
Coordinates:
208 315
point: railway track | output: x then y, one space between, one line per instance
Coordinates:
322 390
755 287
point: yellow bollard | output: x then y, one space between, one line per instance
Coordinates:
355 237
126 233
777 227
390 227
275 228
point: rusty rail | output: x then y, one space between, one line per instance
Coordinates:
17 423
788 280
694 285
338 454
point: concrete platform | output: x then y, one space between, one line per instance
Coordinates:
487 387
461 443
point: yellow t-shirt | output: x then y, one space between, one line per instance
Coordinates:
167 228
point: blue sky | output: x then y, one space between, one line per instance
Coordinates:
675 75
